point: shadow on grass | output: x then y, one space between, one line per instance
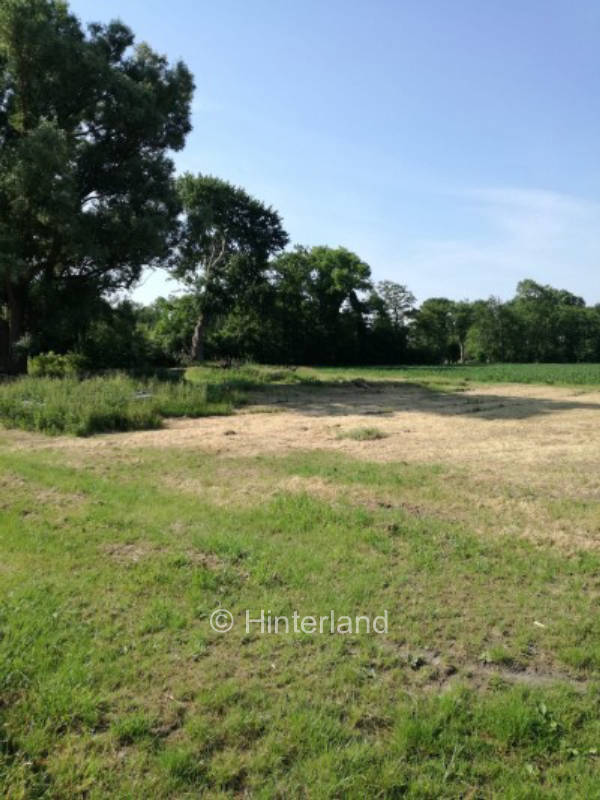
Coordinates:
385 398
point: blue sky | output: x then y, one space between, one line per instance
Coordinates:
453 145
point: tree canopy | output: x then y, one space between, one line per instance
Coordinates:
226 241
86 123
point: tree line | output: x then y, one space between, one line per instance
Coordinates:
89 198
293 323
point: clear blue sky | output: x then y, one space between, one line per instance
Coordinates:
453 145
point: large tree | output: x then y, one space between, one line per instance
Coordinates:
227 240
86 123
549 318
320 304
398 302
433 331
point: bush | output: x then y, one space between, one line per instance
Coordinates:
53 365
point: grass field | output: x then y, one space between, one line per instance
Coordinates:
121 403
456 376
471 518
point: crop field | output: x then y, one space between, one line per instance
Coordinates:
459 504
552 374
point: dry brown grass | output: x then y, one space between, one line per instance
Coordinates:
526 457
488 427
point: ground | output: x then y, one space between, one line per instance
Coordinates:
471 517
539 441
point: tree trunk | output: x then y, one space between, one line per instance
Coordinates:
197 351
16 296
4 348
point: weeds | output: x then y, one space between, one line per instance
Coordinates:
362 434
102 404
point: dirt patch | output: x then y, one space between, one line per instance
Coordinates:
11 484
442 670
127 554
248 488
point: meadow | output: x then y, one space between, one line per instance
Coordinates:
469 514
120 402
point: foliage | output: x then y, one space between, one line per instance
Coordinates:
397 302
319 312
53 365
168 324
434 329
117 338
323 310
88 198
86 122
226 242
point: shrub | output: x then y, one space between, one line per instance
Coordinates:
53 365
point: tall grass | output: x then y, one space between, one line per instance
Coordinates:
250 376
102 404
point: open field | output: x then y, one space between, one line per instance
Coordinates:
553 374
472 517
120 402
445 377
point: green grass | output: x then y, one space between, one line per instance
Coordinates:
115 403
362 434
249 376
444 378
114 685
455 376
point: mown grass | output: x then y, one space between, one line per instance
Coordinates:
114 685
102 404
